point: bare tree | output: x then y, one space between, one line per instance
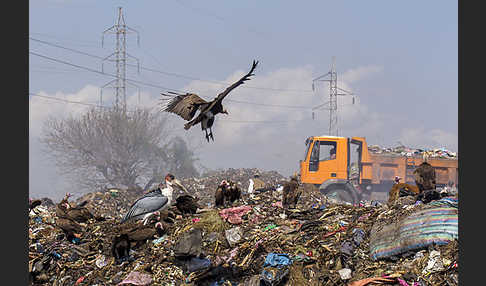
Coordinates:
109 148
181 159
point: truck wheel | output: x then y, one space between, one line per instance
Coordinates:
341 193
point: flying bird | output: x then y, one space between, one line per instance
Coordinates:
155 200
186 106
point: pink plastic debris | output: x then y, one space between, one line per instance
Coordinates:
277 204
402 282
233 215
137 278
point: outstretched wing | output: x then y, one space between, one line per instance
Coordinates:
184 105
235 85
223 94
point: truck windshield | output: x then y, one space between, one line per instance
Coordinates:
307 148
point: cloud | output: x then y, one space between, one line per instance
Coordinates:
251 136
360 73
428 138
273 137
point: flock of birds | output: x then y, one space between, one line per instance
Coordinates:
149 215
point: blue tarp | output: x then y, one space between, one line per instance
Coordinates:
277 259
437 223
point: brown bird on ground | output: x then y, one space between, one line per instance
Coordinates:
232 193
425 177
291 193
120 247
78 213
187 204
139 233
186 106
70 228
34 203
219 196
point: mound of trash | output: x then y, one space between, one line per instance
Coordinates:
254 241
413 152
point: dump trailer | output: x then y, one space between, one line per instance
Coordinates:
344 168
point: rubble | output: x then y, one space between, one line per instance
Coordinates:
320 242
413 152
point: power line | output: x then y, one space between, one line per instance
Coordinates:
74 102
99 72
273 105
108 107
67 101
266 121
148 84
170 73
215 16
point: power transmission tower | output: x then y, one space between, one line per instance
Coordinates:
333 94
120 29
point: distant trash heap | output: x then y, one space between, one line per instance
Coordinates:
411 152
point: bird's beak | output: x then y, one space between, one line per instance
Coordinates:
178 183
225 111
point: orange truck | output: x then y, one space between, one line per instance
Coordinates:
343 168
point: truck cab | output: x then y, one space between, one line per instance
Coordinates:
334 165
344 168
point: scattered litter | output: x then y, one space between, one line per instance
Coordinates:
253 242
137 278
345 273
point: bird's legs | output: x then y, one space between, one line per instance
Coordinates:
211 134
207 135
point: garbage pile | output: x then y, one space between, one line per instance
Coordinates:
255 242
413 152
204 187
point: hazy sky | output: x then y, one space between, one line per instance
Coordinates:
398 57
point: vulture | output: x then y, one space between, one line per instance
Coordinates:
227 191
139 232
78 213
120 247
187 204
70 228
220 194
34 203
424 177
232 193
133 232
291 193
155 200
186 106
